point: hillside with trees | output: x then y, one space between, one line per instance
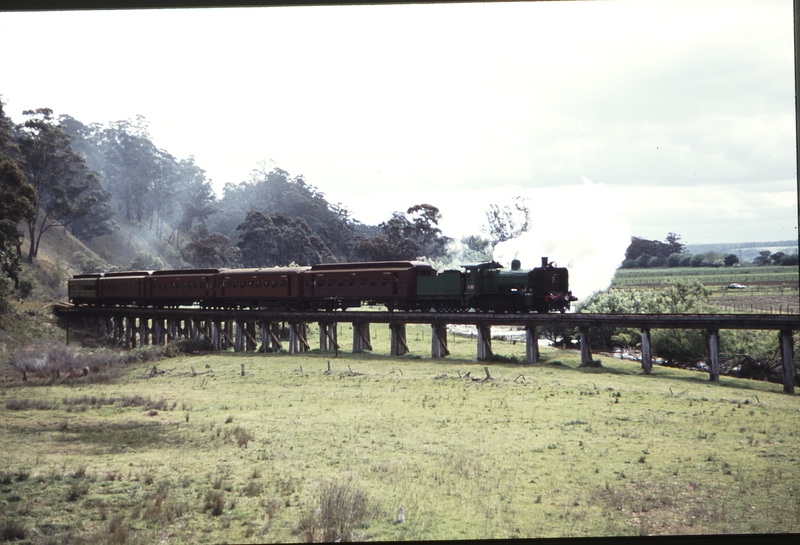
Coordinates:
133 205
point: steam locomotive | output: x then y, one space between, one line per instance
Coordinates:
397 285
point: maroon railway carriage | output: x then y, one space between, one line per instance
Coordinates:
277 287
180 287
82 289
123 288
346 285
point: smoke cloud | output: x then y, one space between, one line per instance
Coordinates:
579 227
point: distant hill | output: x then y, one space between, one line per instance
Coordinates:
745 250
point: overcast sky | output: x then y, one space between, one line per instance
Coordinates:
649 116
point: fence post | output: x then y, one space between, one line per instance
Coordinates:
712 344
531 345
787 350
647 362
586 350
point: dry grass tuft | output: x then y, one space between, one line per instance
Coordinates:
25 404
342 509
214 502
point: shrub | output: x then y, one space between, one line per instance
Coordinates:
643 261
5 291
87 264
674 260
26 287
76 491
116 532
342 508
242 436
46 356
12 530
23 404
253 489
215 502
499 358
146 261
189 346
56 278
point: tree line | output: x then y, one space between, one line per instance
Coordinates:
645 254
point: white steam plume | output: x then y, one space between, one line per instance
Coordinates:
580 228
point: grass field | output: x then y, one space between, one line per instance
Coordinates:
536 451
768 289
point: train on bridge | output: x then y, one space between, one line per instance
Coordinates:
397 285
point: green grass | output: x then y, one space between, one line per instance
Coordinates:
537 451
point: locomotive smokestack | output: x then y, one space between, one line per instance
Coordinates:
515 265
544 262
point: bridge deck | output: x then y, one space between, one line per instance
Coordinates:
780 322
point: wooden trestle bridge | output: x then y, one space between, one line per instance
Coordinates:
244 330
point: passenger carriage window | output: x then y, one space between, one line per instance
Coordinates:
258 284
372 282
330 283
283 283
250 284
274 284
320 283
383 282
235 284
341 282
363 281
352 283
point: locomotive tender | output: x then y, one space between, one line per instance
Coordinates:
397 285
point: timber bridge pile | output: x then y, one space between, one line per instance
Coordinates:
253 330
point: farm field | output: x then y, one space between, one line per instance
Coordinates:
535 451
767 289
